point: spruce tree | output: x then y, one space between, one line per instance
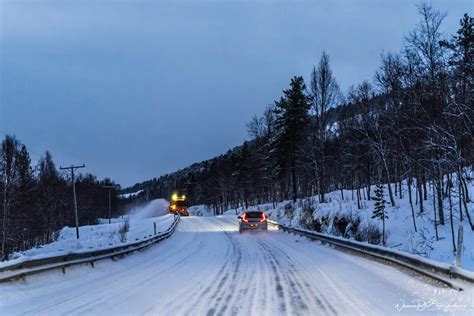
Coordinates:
291 124
379 208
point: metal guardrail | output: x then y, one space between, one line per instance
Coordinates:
34 266
440 273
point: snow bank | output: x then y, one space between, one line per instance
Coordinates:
104 235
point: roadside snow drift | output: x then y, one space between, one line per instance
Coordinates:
94 237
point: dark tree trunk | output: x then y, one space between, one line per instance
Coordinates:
358 199
439 190
434 212
460 202
425 191
468 215
411 203
466 191
451 218
420 195
368 179
400 189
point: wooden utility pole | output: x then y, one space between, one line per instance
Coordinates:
110 187
73 168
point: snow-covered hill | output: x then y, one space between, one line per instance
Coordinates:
341 217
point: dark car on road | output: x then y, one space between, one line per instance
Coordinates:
252 220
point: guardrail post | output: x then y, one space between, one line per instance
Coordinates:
459 248
154 227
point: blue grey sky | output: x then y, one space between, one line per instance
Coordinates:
137 89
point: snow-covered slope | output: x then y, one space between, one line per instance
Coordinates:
92 237
330 218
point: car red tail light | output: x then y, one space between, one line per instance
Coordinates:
244 218
263 218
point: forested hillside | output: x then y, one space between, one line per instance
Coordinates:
413 122
37 200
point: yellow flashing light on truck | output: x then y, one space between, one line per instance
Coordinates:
179 205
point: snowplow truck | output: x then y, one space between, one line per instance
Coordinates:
179 205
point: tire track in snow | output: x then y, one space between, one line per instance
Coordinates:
80 293
300 300
219 304
280 300
167 268
306 295
198 299
283 278
250 280
350 305
241 278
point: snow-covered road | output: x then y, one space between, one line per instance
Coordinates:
207 268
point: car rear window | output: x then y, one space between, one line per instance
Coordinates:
254 214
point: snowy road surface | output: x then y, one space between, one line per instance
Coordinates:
207 268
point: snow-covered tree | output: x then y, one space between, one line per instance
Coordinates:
379 208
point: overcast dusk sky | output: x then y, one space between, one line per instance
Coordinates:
137 89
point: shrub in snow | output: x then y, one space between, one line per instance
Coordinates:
353 227
307 219
289 211
339 224
368 232
321 223
124 230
